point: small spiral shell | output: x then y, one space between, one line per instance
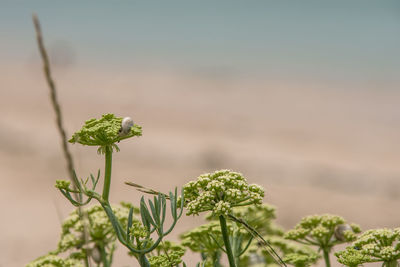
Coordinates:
339 231
95 254
126 125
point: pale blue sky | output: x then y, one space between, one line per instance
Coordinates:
339 39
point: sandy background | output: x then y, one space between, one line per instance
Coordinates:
314 149
303 99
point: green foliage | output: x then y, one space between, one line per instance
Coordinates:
219 192
89 236
104 132
261 218
319 230
63 184
55 261
207 240
323 231
300 260
98 226
167 254
245 230
352 257
376 245
134 235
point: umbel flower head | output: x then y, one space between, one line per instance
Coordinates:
168 254
99 227
106 132
372 246
204 238
323 230
219 192
55 261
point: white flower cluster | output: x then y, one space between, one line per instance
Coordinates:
219 192
55 261
382 244
320 232
222 208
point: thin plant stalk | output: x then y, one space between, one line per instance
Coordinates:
107 173
143 261
225 236
103 254
326 257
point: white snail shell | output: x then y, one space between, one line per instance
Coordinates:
96 255
340 229
126 126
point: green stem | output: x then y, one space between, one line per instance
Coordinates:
143 261
86 259
224 230
107 173
216 259
392 263
103 254
326 257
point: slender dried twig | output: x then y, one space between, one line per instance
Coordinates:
59 121
53 97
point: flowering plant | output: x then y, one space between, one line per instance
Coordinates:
238 226
376 245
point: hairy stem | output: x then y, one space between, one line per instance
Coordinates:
225 236
107 174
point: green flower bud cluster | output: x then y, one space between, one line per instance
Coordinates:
300 260
290 247
138 230
98 226
352 257
260 217
172 255
204 238
372 246
292 253
207 240
55 261
80 237
104 132
219 192
320 230
63 184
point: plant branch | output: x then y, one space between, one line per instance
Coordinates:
107 174
225 236
326 257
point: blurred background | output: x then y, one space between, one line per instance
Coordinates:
301 97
